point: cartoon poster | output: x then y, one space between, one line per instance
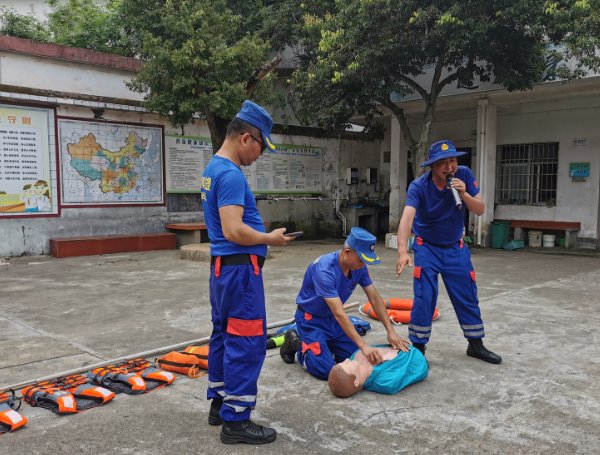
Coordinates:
27 162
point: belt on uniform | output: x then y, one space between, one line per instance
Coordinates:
237 259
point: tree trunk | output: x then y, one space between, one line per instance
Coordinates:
217 127
422 146
430 104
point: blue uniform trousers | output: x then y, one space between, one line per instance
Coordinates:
454 264
238 341
324 343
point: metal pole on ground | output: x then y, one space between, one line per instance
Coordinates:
144 354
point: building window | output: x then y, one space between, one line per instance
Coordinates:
526 174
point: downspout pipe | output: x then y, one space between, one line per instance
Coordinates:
341 216
481 161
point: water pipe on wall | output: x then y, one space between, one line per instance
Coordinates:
481 152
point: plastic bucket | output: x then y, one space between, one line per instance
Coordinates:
548 240
535 239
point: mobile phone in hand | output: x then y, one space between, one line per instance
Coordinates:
294 234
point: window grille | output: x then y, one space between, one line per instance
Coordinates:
526 174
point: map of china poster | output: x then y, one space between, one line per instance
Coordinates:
110 163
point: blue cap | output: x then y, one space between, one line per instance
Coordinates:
363 242
258 117
440 151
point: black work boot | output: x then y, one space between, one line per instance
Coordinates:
291 345
478 350
420 346
246 432
214 418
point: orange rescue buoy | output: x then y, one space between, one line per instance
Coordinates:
398 310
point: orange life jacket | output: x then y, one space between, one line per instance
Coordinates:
189 361
10 419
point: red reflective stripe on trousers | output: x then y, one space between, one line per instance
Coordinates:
245 327
473 277
417 271
461 243
218 267
254 261
314 347
307 316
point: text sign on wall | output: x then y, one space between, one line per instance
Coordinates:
27 162
291 169
185 159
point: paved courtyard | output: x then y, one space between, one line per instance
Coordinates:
540 315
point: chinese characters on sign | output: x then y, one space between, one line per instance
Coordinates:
27 186
292 169
186 157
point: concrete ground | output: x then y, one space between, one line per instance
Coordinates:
59 314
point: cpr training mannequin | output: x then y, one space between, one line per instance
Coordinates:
398 370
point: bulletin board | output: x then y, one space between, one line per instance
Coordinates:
292 169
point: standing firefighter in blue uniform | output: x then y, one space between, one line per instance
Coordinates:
436 217
238 247
326 335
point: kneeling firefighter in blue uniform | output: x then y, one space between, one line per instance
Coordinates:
238 246
435 211
326 335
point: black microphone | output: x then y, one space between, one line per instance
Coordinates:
457 199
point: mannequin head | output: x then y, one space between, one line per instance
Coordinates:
347 378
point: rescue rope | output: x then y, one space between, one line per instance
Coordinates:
153 352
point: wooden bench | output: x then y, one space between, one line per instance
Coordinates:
188 233
570 227
108 244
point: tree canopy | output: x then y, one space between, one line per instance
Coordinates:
87 24
23 26
201 56
205 56
355 53
576 26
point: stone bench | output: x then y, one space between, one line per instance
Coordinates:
570 227
188 233
109 244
